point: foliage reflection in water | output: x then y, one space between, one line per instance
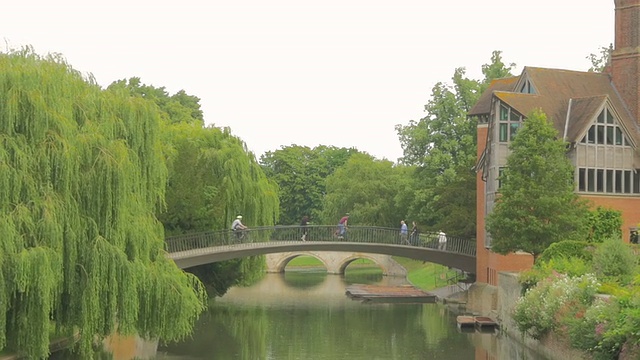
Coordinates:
306 315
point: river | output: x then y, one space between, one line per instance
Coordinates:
306 315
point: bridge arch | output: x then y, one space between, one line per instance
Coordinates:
335 262
277 263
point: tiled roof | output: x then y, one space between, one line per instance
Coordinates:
582 112
554 88
483 106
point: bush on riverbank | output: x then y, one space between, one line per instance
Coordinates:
563 301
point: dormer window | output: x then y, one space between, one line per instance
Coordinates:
526 88
605 131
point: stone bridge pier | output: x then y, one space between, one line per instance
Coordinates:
335 262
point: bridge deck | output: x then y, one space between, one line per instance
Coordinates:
197 249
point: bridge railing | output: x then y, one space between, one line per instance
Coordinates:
356 234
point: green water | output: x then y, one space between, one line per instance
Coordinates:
306 315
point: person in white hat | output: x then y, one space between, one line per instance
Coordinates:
237 226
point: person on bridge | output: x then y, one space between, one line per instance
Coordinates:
305 227
237 227
415 234
342 226
442 240
404 233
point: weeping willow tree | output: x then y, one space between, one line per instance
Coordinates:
212 179
81 178
212 175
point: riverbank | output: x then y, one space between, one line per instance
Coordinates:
496 303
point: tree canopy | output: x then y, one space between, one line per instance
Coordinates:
179 107
442 146
300 173
211 179
600 61
537 205
370 190
81 179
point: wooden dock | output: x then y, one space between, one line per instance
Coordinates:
389 294
465 321
485 323
471 323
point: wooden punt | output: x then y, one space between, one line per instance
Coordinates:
485 323
465 322
389 294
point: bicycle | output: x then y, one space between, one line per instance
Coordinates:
340 233
241 236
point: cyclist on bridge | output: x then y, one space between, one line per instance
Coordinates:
237 227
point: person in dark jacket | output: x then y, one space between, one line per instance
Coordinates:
304 224
414 237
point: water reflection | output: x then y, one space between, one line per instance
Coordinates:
307 316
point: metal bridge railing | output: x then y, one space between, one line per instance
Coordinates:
355 234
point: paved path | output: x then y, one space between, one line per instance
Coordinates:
447 291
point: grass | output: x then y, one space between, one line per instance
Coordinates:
311 261
426 276
305 261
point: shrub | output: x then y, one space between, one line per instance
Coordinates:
586 333
613 258
538 311
603 224
613 288
530 278
571 266
627 327
567 249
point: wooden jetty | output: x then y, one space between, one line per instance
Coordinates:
389 294
471 323
465 321
485 323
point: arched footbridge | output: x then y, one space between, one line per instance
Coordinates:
203 248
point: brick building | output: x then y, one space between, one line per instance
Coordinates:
596 113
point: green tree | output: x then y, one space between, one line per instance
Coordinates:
81 179
212 178
600 61
442 146
179 107
495 69
604 224
368 189
614 260
537 204
300 173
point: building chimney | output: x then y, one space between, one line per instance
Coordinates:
625 59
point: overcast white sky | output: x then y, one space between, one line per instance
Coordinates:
331 72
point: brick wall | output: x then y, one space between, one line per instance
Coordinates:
625 60
629 206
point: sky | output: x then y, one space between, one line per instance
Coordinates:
284 72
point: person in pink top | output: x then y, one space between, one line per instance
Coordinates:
342 226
